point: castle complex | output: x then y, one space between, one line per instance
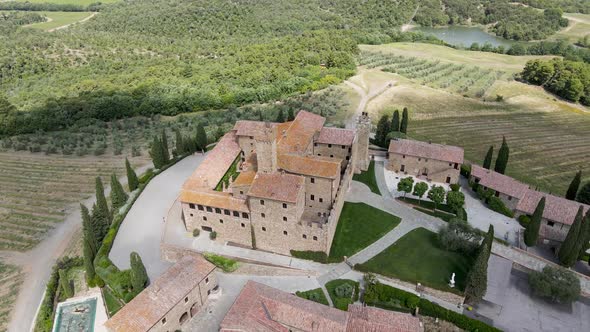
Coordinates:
276 186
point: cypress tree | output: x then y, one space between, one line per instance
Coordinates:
156 152
139 277
487 162
280 116
395 121
531 233
165 149
404 125
290 115
64 282
572 190
567 252
89 264
583 238
132 180
382 131
100 223
583 195
201 137
118 195
502 160
477 278
101 200
88 230
180 146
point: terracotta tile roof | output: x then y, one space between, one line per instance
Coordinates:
214 199
452 154
277 186
557 209
336 136
150 306
217 162
262 308
310 165
244 179
255 128
369 319
499 182
300 133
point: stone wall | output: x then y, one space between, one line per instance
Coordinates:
436 170
340 152
319 193
229 228
192 302
338 204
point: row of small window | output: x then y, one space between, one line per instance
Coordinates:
284 204
341 146
315 238
218 210
332 156
221 221
426 160
263 215
312 197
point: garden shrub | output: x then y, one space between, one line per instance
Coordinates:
316 256
196 232
226 264
524 220
455 187
465 170
460 237
344 290
497 205
555 283
213 235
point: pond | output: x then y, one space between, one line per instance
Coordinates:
465 36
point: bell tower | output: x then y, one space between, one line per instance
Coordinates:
363 130
266 149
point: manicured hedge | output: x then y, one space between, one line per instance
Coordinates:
497 205
44 321
316 295
391 298
340 302
226 264
316 256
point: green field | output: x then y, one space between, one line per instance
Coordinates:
10 280
359 226
69 2
416 257
59 19
548 137
579 27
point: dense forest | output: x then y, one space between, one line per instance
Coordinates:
569 6
175 56
567 79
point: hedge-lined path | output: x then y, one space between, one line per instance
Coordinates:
37 263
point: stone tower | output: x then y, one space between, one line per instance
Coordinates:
363 129
266 149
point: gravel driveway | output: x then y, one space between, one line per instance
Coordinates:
142 228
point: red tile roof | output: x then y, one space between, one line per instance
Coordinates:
452 154
214 199
256 128
277 186
217 162
310 165
152 304
499 182
262 308
557 209
301 132
369 319
336 136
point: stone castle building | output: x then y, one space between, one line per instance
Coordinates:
265 309
170 301
433 162
558 215
276 186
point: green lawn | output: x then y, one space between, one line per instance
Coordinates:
111 301
359 226
58 19
316 295
368 178
416 257
340 302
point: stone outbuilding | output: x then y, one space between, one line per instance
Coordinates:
425 160
171 301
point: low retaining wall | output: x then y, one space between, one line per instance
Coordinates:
534 262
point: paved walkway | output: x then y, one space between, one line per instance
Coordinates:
142 228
